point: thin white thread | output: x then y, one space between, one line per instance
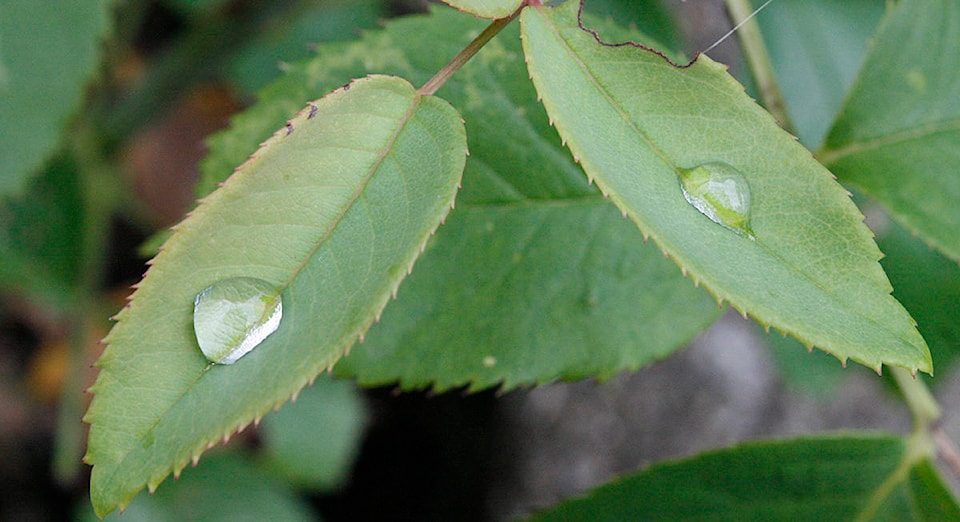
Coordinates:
738 26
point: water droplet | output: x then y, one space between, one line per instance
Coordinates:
234 315
721 193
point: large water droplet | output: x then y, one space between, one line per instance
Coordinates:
232 316
721 193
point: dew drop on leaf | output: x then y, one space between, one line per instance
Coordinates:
232 316
719 192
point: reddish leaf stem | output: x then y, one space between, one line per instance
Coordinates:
471 49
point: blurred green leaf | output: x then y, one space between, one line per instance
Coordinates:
196 7
650 17
293 37
535 276
928 285
898 134
333 210
224 487
812 372
41 235
637 124
845 477
48 52
311 443
816 48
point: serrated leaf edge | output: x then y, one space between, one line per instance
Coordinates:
193 455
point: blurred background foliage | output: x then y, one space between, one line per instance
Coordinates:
104 108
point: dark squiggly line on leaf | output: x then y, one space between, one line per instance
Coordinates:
632 43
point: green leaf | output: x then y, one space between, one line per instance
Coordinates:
535 276
487 8
291 39
225 487
898 135
844 477
517 296
634 121
42 235
928 285
312 442
48 51
814 373
333 210
816 48
653 18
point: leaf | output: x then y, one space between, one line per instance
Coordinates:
333 209
312 442
224 487
515 298
651 17
928 285
42 235
535 276
308 23
48 51
815 374
843 477
487 8
898 135
816 49
634 121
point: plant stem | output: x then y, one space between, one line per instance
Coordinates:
471 49
751 41
922 405
101 199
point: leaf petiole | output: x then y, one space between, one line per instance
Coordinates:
471 49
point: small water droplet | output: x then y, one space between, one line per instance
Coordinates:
721 193
232 316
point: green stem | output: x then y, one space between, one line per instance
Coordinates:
751 41
100 192
471 49
925 410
